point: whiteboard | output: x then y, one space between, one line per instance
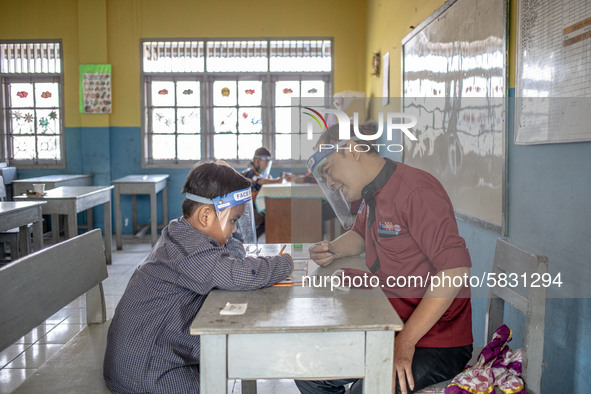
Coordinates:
553 87
454 82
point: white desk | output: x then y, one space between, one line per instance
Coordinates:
20 214
69 200
20 186
141 184
299 333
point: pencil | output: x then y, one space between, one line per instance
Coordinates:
282 249
331 252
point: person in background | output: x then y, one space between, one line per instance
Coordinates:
149 347
407 228
259 174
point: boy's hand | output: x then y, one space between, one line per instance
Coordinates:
322 254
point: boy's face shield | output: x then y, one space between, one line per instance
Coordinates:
267 171
235 214
317 164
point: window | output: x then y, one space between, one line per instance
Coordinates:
31 101
206 99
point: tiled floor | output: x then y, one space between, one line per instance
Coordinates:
21 360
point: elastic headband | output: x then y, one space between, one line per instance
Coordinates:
222 202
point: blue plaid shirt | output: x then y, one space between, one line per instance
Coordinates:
149 348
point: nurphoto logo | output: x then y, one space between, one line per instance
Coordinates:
344 127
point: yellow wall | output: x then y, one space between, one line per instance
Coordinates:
116 26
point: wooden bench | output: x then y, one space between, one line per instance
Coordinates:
37 286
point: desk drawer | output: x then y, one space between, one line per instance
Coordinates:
296 355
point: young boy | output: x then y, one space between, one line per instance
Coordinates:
149 348
259 170
258 173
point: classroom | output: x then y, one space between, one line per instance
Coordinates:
107 105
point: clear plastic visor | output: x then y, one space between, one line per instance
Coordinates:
341 207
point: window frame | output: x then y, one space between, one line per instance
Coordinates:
207 79
6 148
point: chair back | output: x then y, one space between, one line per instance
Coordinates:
2 189
521 267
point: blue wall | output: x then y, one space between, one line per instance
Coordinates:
549 212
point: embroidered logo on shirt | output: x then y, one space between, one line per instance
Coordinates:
387 228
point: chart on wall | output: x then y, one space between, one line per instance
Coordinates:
95 88
454 72
553 87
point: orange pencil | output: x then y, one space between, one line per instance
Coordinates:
282 249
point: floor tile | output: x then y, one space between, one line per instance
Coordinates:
11 352
36 334
10 379
61 333
34 356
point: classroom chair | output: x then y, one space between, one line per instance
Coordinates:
530 300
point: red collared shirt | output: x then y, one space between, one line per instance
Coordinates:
413 237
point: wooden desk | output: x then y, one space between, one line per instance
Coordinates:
20 214
299 333
20 186
69 200
293 212
141 184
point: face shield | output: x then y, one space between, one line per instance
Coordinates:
242 199
267 171
336 199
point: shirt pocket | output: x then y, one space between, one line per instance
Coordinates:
397 246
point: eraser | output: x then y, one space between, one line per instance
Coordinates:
298 246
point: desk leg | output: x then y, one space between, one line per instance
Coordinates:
153 218
72 224
38 234
165 206
108 231
134 213
55 228
90 218
23 237
213 364
118 218
379 361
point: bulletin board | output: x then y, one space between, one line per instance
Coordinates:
95 88
553 86
454 82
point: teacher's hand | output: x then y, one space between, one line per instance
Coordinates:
403 354
322 254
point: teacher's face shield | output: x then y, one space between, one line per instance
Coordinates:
319 165
265 172
235 214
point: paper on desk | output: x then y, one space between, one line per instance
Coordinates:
233 309
300 269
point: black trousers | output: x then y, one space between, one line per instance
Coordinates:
429 366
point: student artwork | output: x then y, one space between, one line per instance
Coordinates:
187 92
225 92
249 91
46 95
163 92
22 94
287 91
95 89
